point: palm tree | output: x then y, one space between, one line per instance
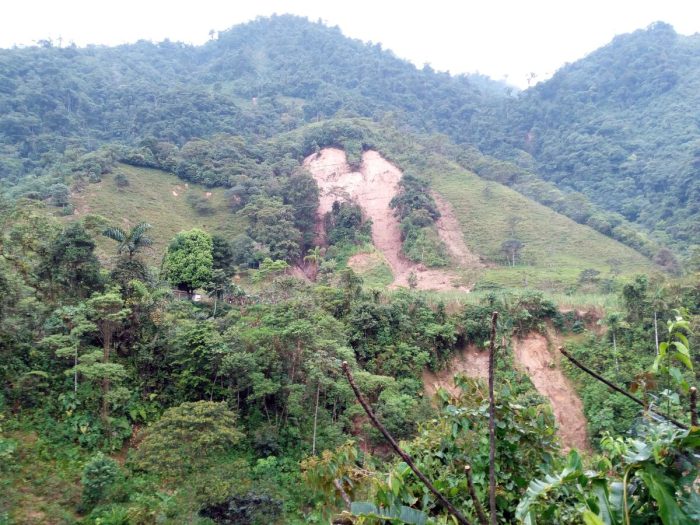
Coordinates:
314 256
131 241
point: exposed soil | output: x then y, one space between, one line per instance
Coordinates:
363 262
532 354
471 362
450 233
372 188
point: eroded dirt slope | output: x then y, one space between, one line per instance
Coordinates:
533 355
450 232
372 187
471 362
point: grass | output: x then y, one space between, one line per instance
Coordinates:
556 249
158 198
573 301
36 487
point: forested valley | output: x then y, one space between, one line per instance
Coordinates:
287 277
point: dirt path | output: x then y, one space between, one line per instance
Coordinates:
471 362
372 188
533 355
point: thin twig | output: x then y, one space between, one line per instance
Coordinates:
620 390
472 492
442 499
492 421
693 406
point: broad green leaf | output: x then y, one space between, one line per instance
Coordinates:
605 512
400 514
589 518
661 489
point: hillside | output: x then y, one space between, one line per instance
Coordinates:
158 198
274 75
478 215
335 237
620 126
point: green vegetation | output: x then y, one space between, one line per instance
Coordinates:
172 330
157 198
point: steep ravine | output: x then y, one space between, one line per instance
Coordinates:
532 355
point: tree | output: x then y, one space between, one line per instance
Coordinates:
511 249
314 256
131 241
71 263
615 322
187 437
189 261
222 255
272 224
70 343
108 312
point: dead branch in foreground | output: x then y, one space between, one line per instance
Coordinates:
442 499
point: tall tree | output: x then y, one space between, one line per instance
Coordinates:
189 261
108 312
130 241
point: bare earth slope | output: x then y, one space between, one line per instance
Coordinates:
372 187
471 362
533 355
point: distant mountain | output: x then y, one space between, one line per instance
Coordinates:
618 128
622 126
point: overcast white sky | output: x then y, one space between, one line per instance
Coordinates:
500 38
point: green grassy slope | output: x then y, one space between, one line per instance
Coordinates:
556 249
158 198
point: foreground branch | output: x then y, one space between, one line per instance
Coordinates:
483 520
492 421
443 501
693 406
620 390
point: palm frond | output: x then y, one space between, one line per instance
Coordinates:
115 233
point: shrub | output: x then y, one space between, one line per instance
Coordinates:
99 474
187 437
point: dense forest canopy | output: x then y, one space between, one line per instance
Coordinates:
618 132
188 336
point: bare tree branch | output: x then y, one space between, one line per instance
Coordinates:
492 421
618 389
442 499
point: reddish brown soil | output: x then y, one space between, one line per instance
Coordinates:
533 355
372 188
450 233
471 362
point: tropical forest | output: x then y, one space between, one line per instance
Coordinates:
287 277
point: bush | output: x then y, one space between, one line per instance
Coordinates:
99 474
187 437
200 204
121 180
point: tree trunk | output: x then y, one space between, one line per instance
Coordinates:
656 333
617 361
106 346
313 443
492 420
75 371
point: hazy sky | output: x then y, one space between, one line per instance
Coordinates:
503 39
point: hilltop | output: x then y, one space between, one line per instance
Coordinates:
585 143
